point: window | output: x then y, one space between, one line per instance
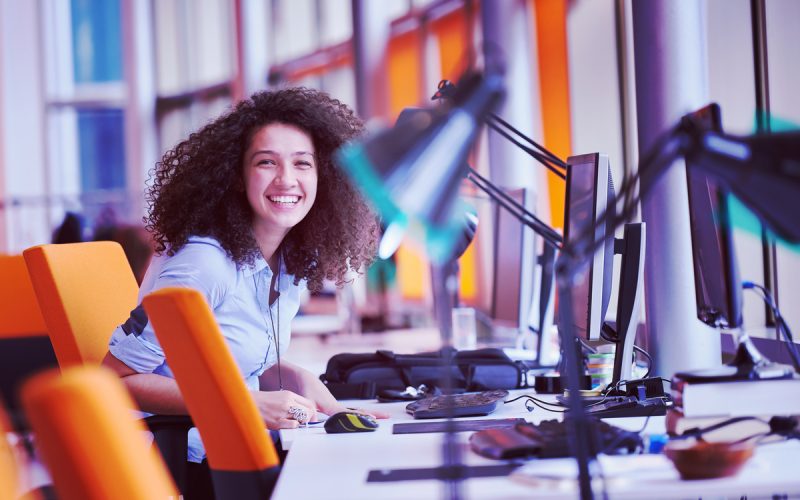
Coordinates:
86 99
312 46
195 64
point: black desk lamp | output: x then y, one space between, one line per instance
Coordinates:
445 91
553 240
412 173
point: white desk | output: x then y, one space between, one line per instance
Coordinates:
323 466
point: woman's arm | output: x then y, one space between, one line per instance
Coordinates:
160 395
153 393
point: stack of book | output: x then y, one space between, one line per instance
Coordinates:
700 404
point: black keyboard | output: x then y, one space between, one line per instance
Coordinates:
457 405
549 439
552 437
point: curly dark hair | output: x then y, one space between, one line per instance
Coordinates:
198 189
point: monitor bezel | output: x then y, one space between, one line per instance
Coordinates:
590 329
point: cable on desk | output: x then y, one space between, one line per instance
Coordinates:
649 359
780 323
786 427
608 334
697 432
559 407
538 402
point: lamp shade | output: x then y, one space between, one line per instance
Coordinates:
412 172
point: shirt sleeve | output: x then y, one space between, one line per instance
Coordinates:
199 265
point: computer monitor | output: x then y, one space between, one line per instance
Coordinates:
590 190
718 291
504 300
513 264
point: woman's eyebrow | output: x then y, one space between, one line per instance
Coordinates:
271 152
263 152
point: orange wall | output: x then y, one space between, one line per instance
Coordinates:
404 68
551 43
452 36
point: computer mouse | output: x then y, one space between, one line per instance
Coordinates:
346 421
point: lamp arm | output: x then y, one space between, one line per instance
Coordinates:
518 211
446 91
551 157
544 160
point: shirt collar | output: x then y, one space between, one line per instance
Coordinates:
260 265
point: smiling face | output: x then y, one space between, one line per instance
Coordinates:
280 178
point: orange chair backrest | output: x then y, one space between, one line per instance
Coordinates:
85 290
233 432
9 472
91 441
20 315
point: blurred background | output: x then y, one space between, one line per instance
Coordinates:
93 92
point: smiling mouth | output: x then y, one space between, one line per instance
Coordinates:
284 200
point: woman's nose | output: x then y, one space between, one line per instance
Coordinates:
285 176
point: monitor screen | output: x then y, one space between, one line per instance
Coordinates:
718 299
504 299
513 264
716 276
589 191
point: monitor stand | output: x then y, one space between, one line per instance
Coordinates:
747 364
631 290
531 339
629 300
645 397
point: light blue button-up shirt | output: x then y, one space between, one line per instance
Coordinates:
239 298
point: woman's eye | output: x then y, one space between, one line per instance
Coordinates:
304 165
266 162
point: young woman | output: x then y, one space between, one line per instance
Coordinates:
249 210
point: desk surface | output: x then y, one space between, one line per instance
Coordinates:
323 466
336 466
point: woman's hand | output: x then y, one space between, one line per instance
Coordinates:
280 409
372 413
306 383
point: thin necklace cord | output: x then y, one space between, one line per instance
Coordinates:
275 333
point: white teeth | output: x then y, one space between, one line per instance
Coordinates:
284 199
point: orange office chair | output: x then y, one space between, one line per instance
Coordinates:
19 311
9 472
25 347
91 442
241 454
85 290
